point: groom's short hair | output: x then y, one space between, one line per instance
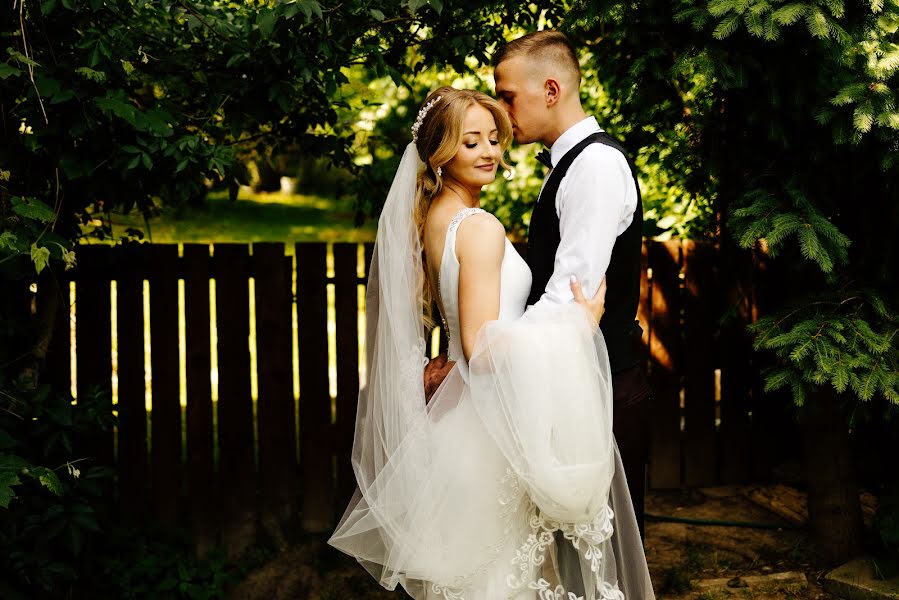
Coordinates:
546 45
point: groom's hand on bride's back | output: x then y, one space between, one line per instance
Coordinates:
597 304
435 372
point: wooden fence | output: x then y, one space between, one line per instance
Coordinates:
226 468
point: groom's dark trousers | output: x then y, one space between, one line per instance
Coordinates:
630 423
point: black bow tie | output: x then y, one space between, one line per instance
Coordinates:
543 157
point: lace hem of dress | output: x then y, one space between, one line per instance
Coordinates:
586 537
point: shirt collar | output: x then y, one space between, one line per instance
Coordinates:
572 136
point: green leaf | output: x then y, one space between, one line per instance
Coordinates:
841 377
810 247
40 256
8 240
265 21
7 70
32 208
414 5
719 8
7 480
48 479
91 74
778 379
863 117
868 384
21 57
837 8
310 7
798 389
377 14
755 24
801 350
888 24
789 14
113 105
818 24
11 466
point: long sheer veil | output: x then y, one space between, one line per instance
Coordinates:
391 444
392 404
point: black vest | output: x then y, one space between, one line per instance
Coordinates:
620 330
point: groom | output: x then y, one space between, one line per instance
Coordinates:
587 221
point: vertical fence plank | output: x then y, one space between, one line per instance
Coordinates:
315 401
369 249
202 507
165 418
644 308
736 369
665 368
235 404
93 340
53 295
132 431
700 318
347 327
275 410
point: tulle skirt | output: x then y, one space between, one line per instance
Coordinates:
515 461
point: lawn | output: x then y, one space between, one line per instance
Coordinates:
254 217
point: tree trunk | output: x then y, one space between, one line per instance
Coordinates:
835 516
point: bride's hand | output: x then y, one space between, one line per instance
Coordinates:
597 304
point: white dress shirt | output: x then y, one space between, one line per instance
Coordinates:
595 204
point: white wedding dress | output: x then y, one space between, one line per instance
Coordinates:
468 498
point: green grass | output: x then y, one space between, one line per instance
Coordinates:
261 217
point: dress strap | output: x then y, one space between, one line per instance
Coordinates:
454 225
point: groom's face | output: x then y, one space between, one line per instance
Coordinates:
519 89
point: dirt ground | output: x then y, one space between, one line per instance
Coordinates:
680 556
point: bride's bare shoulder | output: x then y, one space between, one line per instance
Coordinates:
480 235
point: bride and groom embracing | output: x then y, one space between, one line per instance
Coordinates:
508 482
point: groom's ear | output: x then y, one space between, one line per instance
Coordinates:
552 91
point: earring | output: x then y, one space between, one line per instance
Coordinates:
439 171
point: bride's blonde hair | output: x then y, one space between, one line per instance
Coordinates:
438 135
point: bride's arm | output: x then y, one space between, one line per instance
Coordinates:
480 246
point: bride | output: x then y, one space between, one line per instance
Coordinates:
465 496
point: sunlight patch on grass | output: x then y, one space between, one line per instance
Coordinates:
274 217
